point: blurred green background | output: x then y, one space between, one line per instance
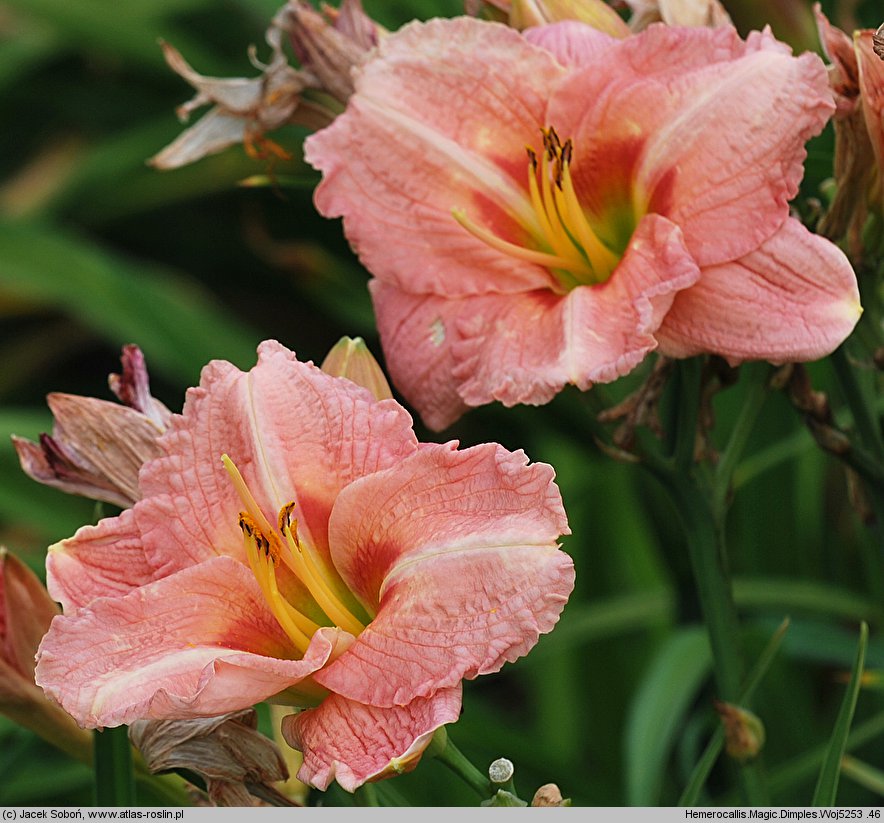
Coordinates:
97 249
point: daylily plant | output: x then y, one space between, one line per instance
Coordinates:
295 543
546 208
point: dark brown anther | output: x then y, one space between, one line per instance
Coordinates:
532 158
557 173
567 151
555 138
878 41
285 516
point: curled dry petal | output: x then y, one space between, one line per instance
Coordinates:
243 108
329 51
228 752
97 448
878 41
132 387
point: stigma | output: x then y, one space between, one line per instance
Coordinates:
562 238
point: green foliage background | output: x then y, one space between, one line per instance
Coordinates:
97 250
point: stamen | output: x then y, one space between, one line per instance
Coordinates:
541 258
566 241
299 558
262 560
264 550
248 501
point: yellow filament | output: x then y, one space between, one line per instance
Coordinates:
249 502
264 549
602 259
310 574
298 627
575 252
532 256
558 238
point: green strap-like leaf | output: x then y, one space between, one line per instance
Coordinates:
827 783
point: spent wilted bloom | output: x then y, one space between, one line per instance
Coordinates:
651 210
97 447
227 752
856 75
294 542
244 109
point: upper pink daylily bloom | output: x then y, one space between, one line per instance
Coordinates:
296 543
650 213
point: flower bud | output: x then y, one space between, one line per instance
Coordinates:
350 358
743 731
677 13
549 795
526 13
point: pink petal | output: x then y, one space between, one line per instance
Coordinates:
416 333
795 298
106 560
354 743
448 354
459 549
572 43
196 644
525 348
439 122
295 433
719 149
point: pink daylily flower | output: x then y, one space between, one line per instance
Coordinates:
296 543
651 210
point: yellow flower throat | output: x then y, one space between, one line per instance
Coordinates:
562 238
266 546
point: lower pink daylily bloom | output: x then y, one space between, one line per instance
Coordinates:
650 211
296 543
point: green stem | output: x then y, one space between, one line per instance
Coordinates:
864 414
452 757
756 394
704 533
114 776
704 541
